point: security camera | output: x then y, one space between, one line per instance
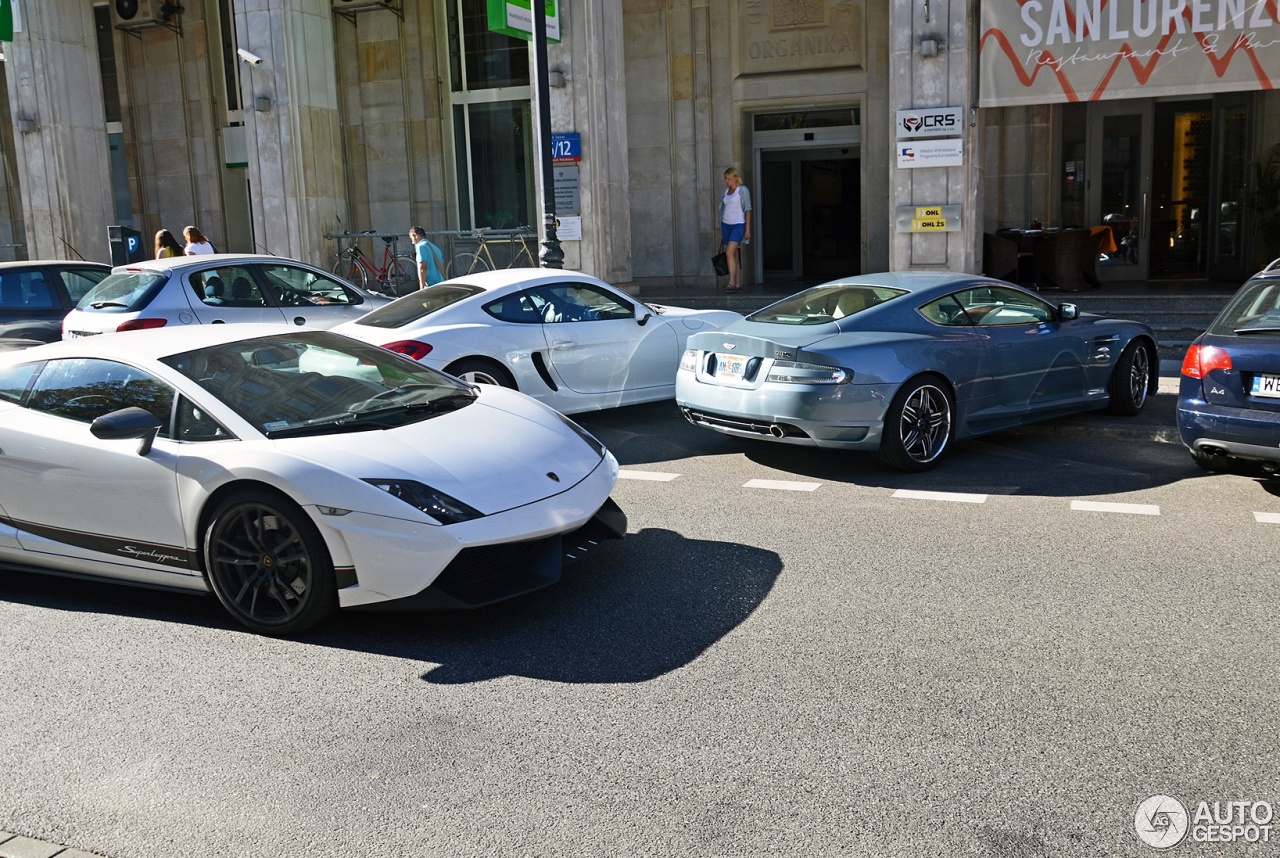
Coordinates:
251 59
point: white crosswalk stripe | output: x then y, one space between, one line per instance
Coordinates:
953 497
1125 508
653 476
781 485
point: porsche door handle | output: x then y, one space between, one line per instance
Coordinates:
561 345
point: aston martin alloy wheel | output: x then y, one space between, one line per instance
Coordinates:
917 425
1130 380
268 565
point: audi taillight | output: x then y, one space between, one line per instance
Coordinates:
412 348
1202 360
140 324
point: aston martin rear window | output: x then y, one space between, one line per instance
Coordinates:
823 304
415 305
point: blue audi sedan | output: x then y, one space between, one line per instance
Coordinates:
1229 395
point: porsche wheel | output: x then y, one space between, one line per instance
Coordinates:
1130 380
267 564
475 371
917 425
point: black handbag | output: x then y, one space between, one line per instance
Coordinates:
720 262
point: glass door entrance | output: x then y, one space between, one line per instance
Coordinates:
1118 189
1167 178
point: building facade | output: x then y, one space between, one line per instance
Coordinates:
272 124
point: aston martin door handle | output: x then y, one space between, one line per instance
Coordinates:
561 345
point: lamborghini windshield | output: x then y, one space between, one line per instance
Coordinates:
317 382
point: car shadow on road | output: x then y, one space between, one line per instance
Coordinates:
630 612
633 610
1050 459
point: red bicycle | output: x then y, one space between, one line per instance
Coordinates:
397 275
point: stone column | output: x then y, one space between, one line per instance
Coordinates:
291 125
55 99
948 79
593 102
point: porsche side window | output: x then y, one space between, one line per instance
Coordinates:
195 425
15 380
581 302
520 308
84 389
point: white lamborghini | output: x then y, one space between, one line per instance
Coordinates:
291 472
566 339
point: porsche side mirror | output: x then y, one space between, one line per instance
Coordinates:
132 422
1067 312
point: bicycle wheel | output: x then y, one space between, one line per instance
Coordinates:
351 271
402 275
466 263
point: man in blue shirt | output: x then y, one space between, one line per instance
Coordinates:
430 261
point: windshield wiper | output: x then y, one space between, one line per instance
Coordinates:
98 305
1270 328
439 405
331 427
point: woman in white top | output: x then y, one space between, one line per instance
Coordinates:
735 224
196 242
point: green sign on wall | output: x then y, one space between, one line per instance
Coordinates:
515 18
6 20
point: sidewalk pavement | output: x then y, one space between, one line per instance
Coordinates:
17 846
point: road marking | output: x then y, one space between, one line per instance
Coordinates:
655 476
955 497
1267 517
1129 508
781 485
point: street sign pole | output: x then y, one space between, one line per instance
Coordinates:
551 255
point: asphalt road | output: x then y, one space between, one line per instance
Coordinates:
1002 657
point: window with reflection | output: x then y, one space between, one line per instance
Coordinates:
493 131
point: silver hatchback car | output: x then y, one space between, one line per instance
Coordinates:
212 289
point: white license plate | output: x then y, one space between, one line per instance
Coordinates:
1266 385
731 366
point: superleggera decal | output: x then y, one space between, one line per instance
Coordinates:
163 555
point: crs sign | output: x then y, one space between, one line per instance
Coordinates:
930 122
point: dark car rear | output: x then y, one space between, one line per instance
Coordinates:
1229 398
34 296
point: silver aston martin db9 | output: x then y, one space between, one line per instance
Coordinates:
902 364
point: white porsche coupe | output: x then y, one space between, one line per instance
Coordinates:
565 338
291 472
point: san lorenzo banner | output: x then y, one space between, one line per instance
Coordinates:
1038 51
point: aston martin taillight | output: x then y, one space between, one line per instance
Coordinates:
412 348
1202 360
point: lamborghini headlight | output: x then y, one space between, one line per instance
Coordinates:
437 504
